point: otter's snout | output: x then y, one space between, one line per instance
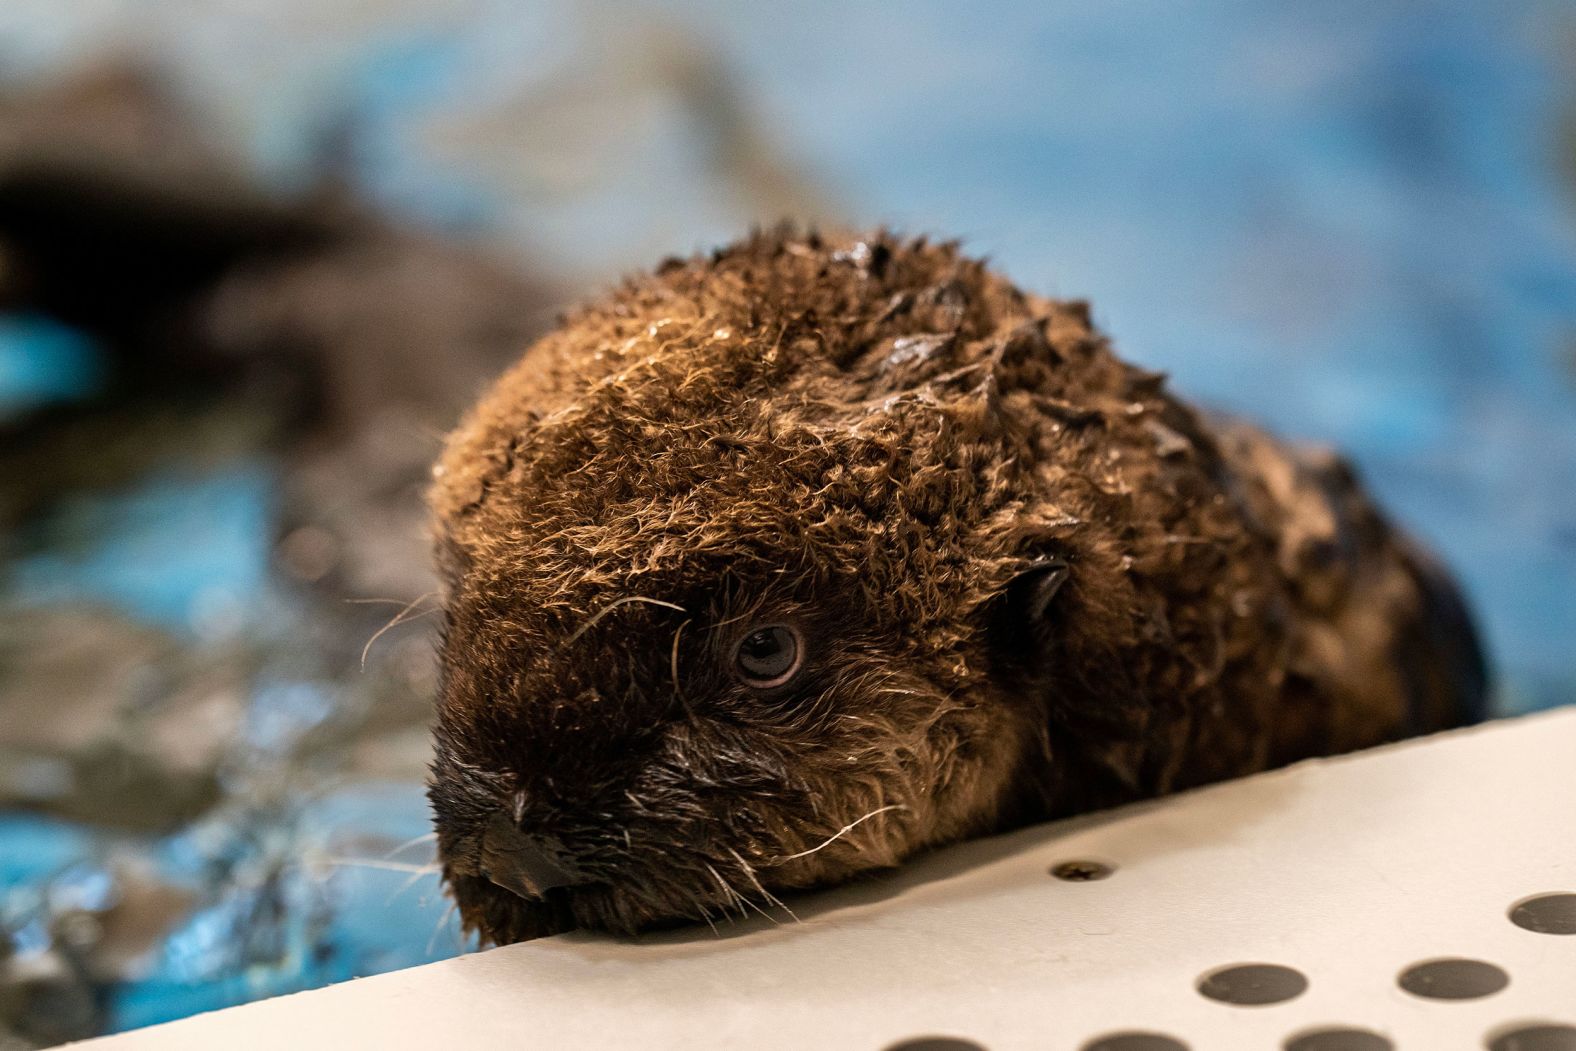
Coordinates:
523 864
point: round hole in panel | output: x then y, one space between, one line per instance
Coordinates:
1453 978
1546 913
1339 1038
1135 1040
1535 1036
935 1043
1253 984
1082 871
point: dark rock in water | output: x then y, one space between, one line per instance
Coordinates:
361 341
112 722
45 999
88 927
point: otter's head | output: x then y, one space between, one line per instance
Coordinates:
739 567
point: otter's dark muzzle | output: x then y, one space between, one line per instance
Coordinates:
523 864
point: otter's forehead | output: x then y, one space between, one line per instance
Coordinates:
788 512
777 318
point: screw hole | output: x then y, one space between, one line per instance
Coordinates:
1082 871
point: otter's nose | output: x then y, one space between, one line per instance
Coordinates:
523 864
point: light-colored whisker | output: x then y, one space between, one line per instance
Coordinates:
392 601
401 617
773 920
383 865
705 914
734 897
766 895
615 604
840 833
727 891
426 837
411 881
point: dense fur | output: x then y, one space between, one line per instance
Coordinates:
874 439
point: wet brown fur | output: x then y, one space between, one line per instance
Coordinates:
874 438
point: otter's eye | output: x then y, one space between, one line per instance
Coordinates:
768 656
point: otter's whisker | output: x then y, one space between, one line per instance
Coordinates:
392 601
766 895
896 692
611 606
840 833
385 866
745 900
399 618
705 914
427 837
411 881
773 920
734 896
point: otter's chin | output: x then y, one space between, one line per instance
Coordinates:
501 917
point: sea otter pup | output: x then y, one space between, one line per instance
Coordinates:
783 563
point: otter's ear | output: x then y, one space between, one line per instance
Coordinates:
1022 615
1032 591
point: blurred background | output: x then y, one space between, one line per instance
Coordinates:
256 256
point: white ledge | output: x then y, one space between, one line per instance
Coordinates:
1347 870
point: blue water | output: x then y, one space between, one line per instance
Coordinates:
1353 221
348 915
44 363
180 548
